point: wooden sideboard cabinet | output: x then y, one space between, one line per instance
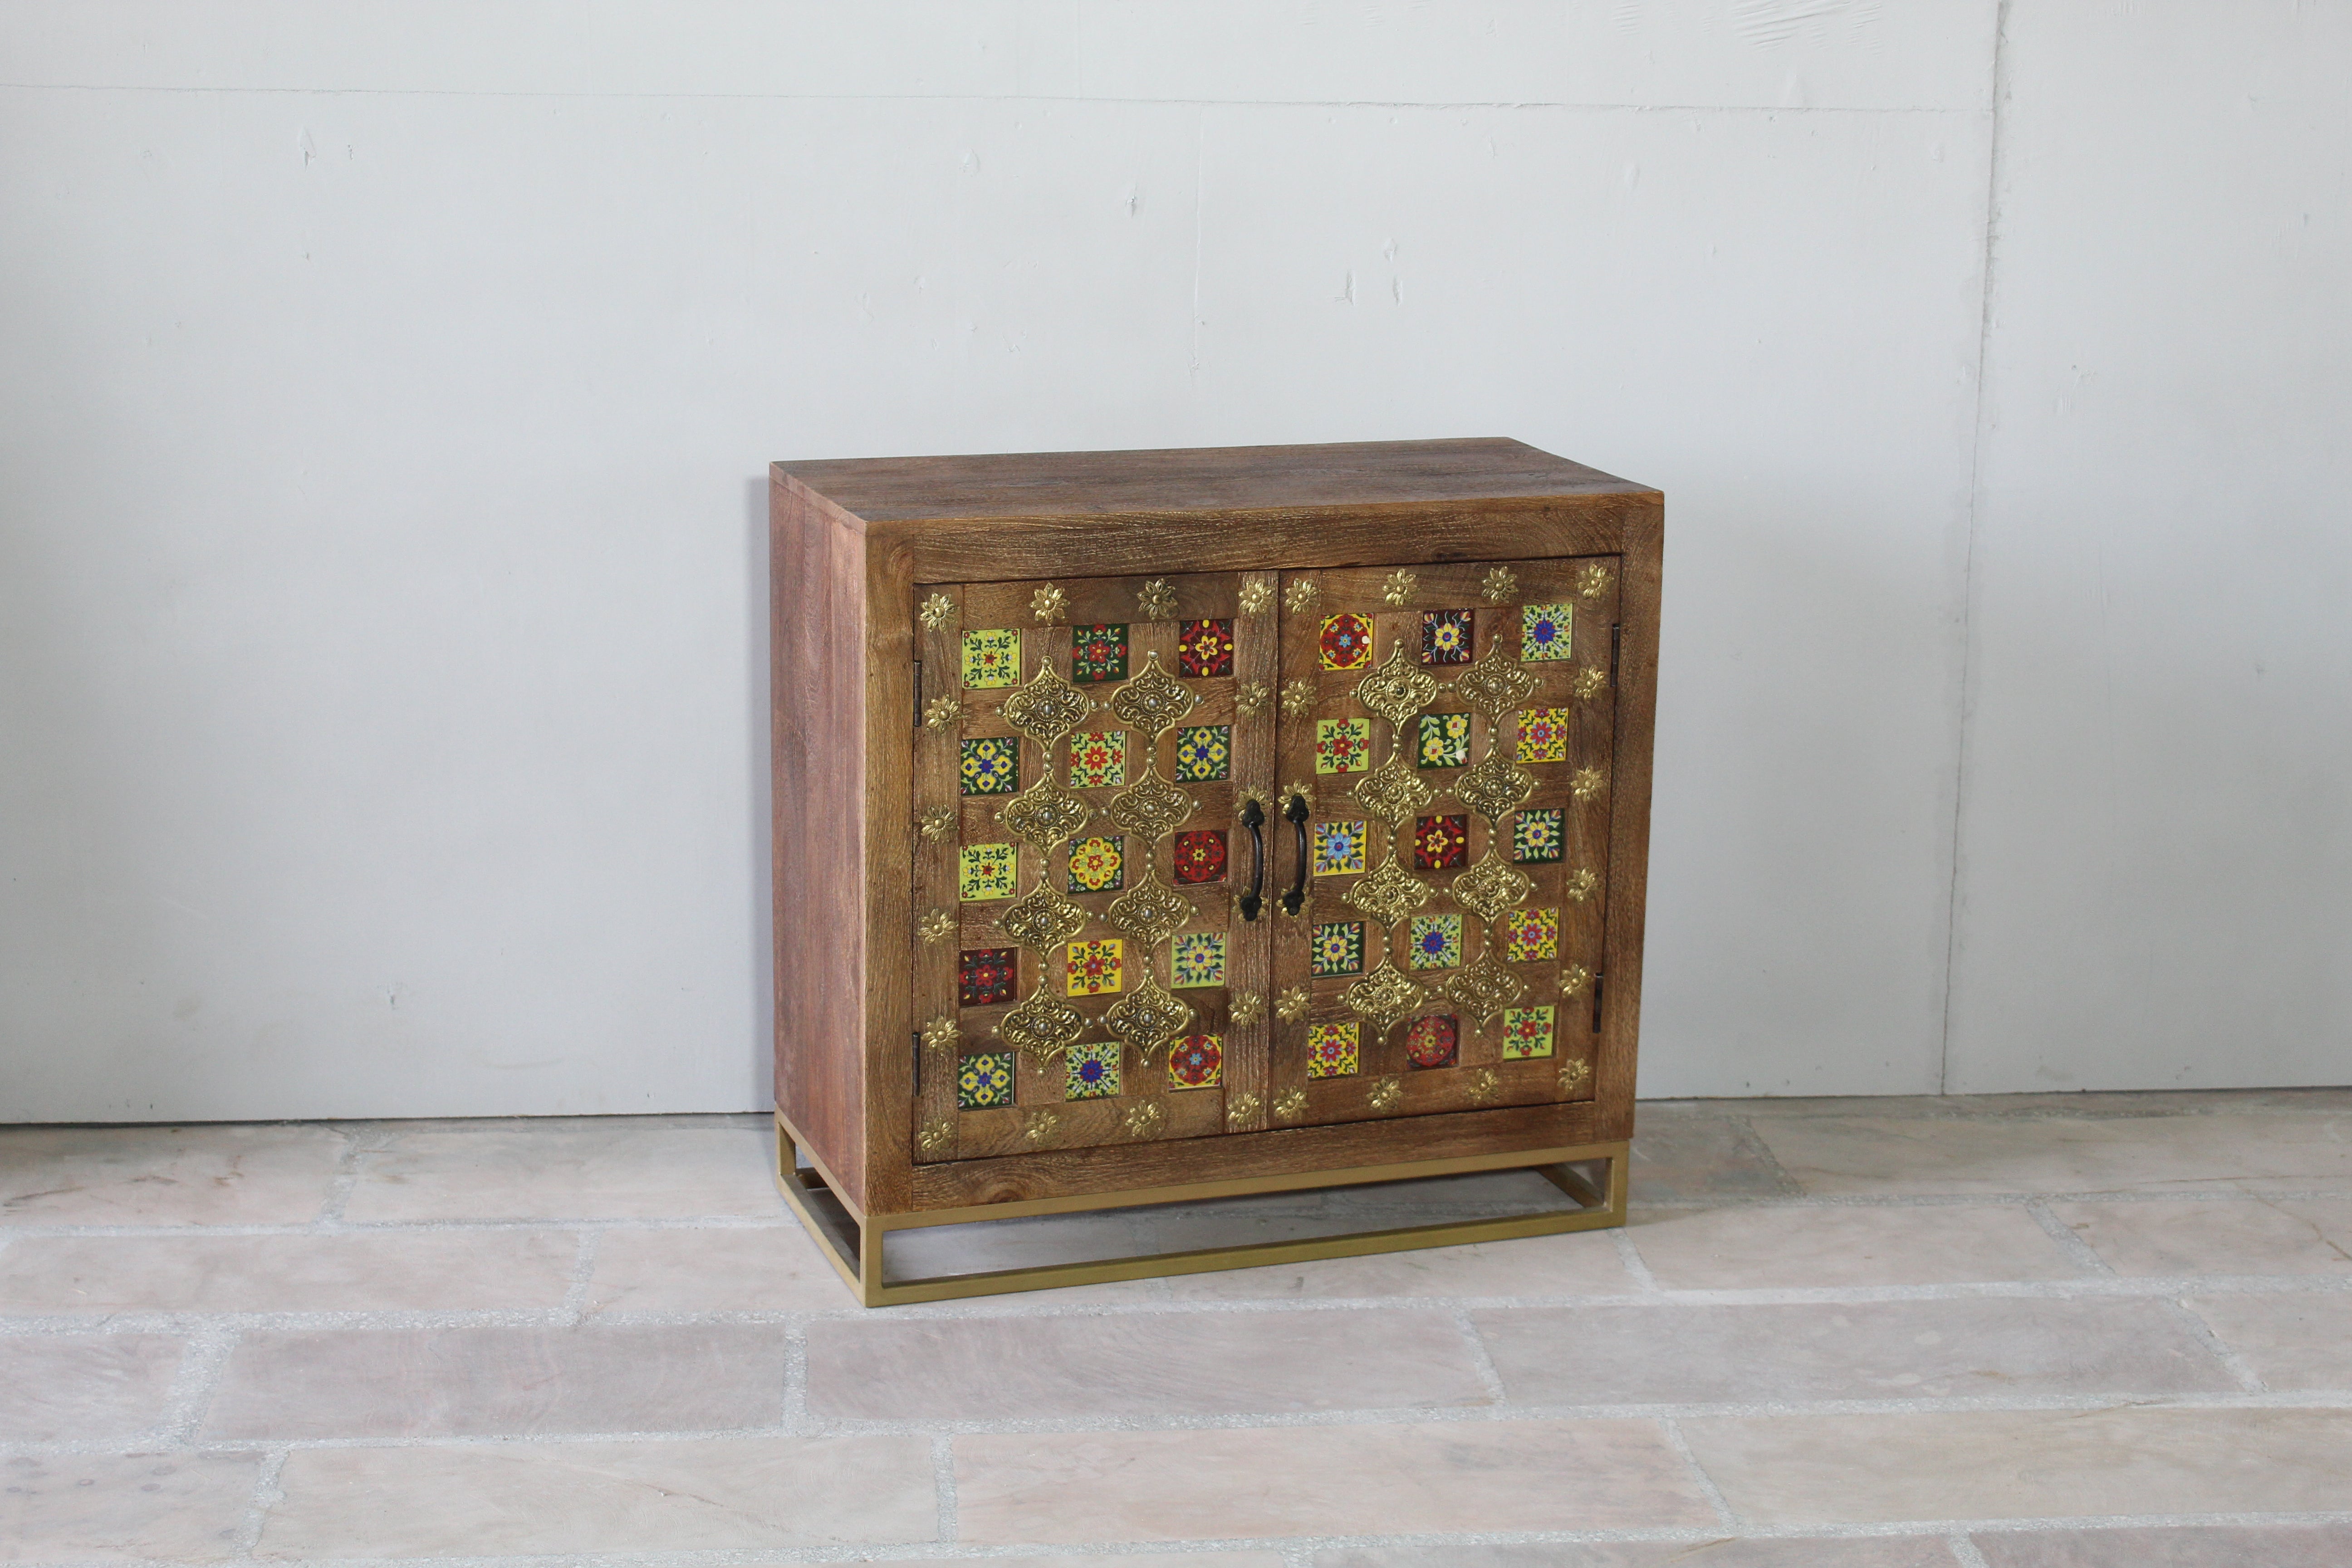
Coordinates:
1154 827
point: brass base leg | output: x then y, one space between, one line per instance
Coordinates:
1593 1176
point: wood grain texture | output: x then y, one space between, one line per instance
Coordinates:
1197 479
860 544
1279 1152
816 674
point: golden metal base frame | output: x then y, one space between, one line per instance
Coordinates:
854 1241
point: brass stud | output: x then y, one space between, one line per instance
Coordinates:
936 823
936 611
1589 683
1578 885
1256 595
941 711
1298 696
1292 1105
1156 601
1047 603
1241 1110
940 1033
936 1136
1041 1125
1250 697
1385 1094
1586 783
1398 586
1300 594
1592 582
1572 1074
1291 1005
1483 1086
1499 586
937 925
1574 980
1248 1007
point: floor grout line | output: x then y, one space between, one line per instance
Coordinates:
2240 1371
267 1495
1482 1361
1966 1551
944 1486
1723 1513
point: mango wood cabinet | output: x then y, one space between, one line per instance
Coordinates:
1165 825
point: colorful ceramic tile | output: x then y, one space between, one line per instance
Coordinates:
1099 653
1531 934
1527 1033
1440 843
1331 1050
1546 632
1204 752
1345 642
1543 735
1339 848
1093 1070
1445 741
1201 855
1343 745
1433 1042
1446 637
1204 649
992 658
984 871
985 976
1538 836
1097 967
985 1082
1196 1061
1098 864
1196 958
1098 760
1338 949
991 765
1436 941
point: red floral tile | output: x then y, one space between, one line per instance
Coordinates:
1201 855
985 976
1433 1042
1440 843
1204 649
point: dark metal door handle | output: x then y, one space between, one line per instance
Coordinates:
1294 812
1253 819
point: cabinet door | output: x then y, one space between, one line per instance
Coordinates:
1081 758
1450 732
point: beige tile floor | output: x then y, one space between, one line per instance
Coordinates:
2094 1331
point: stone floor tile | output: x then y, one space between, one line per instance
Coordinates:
1883 1551
262 1174
117 1508
449 1270
1972 1348
2288 1342
84 1387
479 1382
767 1269
991 1245
1371 1479
520 1498
1750 1247
2040 1464
1583 1263
1431 1200
2194 1546
1137 1364
1683 1151
1124 1560
2270 1150
2245 1235
592 1167
2076 1104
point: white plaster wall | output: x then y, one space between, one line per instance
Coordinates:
388 389
2156 836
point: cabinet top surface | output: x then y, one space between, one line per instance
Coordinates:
1197 479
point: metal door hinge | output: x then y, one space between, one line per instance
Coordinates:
1599 983
918 1038
918 693
1616 639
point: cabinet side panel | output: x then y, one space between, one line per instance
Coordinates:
817 678
1642 565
